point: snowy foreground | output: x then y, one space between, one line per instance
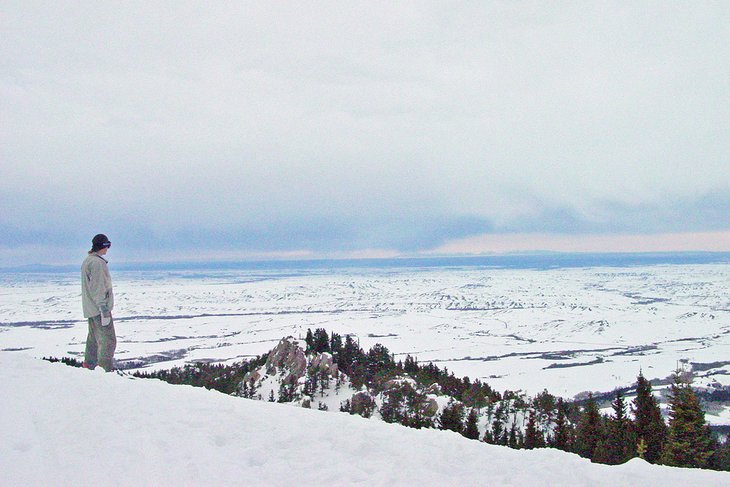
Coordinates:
65 426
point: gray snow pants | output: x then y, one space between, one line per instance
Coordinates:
100 344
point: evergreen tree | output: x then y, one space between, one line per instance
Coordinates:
515 439
379 357
452 417
310 383
323 378
475 395
410 366
590 429
353 362
358 373
620 444
648 423
416 409
320 341
563 432
720 459
504 439
336 346
488 437
471 429
351 354
243 392
533 436
601 453
391 410
545 405
498 434
286 392
309 340
249 389
689 442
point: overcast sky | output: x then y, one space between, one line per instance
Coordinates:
308 129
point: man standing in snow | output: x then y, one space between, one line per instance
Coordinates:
97 300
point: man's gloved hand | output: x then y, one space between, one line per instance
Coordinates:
106 318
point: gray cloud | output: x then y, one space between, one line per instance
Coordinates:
334 126
707 214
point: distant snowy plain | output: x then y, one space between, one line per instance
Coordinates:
567 330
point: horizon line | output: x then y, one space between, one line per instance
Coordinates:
219 263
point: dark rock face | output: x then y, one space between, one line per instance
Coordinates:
324 362
287 358
288 366
362 403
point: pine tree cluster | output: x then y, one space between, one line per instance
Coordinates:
374 368
219 377
543 421
71 362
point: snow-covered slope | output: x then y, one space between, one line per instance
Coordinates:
64 426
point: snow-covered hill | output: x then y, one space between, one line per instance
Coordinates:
63 426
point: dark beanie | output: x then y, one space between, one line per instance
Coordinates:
100 242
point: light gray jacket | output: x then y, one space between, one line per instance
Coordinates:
96 286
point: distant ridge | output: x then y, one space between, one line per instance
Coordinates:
538 261
39 268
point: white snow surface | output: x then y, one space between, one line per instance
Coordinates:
568 330
64 426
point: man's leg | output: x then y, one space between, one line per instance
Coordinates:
106 338
90 357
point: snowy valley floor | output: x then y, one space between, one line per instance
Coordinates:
567 330
65 426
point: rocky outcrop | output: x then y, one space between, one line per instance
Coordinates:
430 407
362 403
286 372
290 376
287 358
324 362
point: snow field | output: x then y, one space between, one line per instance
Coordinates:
568 330
64 426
